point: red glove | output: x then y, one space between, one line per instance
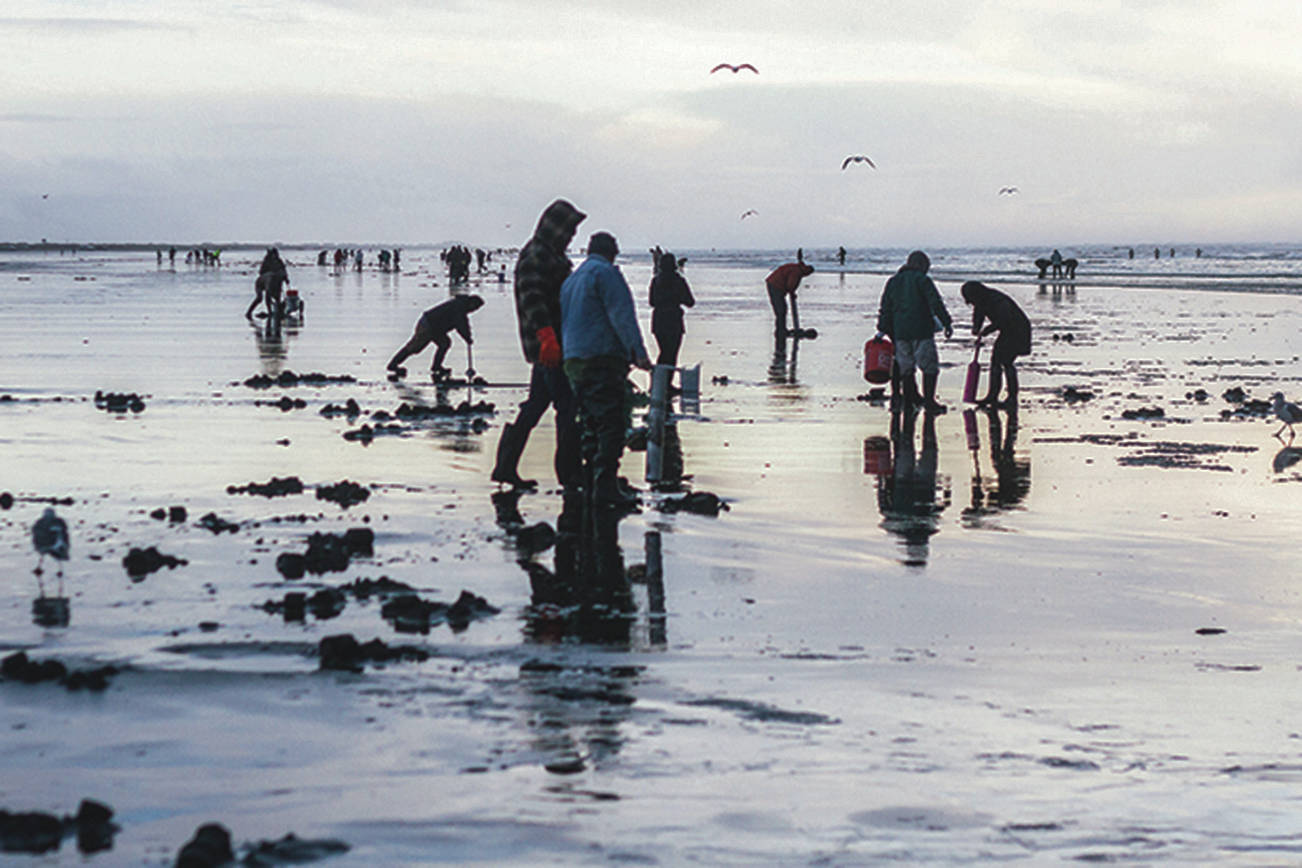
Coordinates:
549 349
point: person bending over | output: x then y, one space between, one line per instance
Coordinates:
1004 316
433 328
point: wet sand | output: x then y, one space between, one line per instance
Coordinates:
1000 661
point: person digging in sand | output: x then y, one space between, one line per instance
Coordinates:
1014 339
272 274
783 281
433 327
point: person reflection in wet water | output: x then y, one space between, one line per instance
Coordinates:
907 496
783 367
1012 482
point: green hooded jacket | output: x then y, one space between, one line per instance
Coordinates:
909 302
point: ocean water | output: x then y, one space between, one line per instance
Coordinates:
969 639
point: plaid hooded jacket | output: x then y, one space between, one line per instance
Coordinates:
539 272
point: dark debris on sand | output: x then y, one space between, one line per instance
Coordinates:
327 553
285 404
119 402
289 378
215 523
275 487
210 847
325 604
343 652
18 667
698 502
39 832
141 562
349 408
174 514
408 613
346 493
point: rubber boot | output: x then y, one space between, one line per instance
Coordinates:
929 402
1010 403
508 458
910 386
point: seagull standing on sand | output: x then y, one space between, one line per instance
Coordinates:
1288 413
50 537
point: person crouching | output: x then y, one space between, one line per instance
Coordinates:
433 327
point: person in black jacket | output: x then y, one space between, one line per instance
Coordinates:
433 327
669 295
1014 339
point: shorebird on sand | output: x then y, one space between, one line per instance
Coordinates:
50 537
1288 413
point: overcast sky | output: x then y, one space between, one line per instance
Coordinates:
390 121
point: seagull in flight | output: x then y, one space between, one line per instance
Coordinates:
856 158
752 212
1008 191
735 68
45 195
1287 412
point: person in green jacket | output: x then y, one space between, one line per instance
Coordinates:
911 313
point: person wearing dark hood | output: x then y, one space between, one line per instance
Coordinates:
1014 339
540 269
669 295
601 337
271 275
911 312
782 282
433 328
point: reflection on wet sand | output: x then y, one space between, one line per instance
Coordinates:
911 497
272 337
51 611
1012 479
783 367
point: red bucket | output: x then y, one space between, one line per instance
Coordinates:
878 356
877 456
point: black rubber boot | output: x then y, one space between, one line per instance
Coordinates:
929 402
508 458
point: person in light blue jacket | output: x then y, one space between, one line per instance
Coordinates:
601 337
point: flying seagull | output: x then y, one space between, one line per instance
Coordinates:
857 158
749 213
1287 412
737 68
1007 191
45 195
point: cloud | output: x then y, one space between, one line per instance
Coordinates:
78 26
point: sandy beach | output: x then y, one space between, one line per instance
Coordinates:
1071 634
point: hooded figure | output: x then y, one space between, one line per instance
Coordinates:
1014 339
911 312
539 272
271 275
669 295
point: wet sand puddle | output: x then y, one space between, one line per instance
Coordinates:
966 640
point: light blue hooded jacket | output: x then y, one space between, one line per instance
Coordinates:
598 317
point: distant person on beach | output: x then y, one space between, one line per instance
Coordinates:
1003 315
911 311
1055 259
272 275
840 256
540 269
669 294
433 328
782 282
600 336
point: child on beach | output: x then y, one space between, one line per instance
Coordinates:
433 327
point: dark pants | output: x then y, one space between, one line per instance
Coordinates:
549 387
422 338
599 395
778 301
670 340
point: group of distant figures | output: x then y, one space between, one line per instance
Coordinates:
458 258
194 256
388 259
1062 268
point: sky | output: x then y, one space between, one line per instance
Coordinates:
395 121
